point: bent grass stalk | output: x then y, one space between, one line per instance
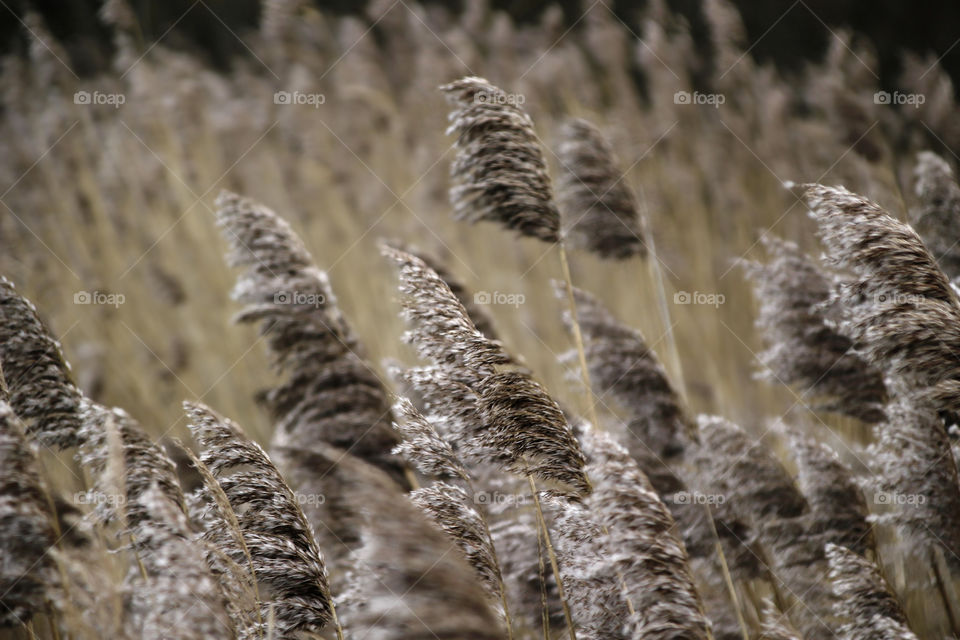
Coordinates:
578 337
552 554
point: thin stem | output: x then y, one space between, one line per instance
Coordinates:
727 578
936 557
544 611
496 562
554 564
578 337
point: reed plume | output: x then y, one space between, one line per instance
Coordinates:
776 626
599 208
499 173
26 530
280 542
797 318
838 508
42 390
632 579
937 217
864 599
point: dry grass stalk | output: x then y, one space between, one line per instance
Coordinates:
797 318
42 391
500 174
599 207
288 565
864 599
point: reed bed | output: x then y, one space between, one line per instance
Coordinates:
707 388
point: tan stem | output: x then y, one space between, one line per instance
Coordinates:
554 564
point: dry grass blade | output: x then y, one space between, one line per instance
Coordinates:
331 394
500 174
864 599
26 530
804 348
937 218
599 208
287 562
837 505
42 391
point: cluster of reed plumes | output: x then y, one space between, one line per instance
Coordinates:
658 480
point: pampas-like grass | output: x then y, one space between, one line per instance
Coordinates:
500 174
628 574
937 218
144 465
838 508
288 565
423 446
410 581
26 530
180 598
864 599
599 208
42 391
331 394
624 367
776 626
917 475
804 348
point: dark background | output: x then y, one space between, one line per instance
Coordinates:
931 26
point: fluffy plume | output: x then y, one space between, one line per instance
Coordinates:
804 348
528 431
624 367
26 531
410 580
331 394
422 445
599 207
180 599
142 465
864 599
478 315
628 575
937 218
441 329
776 626
838 509
499 172
288 565
917 475
42 391
451 510
902 312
